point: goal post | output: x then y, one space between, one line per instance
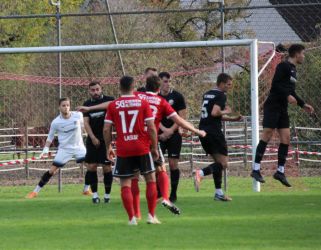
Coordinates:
251 43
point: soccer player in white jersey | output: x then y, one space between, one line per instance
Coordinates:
68 125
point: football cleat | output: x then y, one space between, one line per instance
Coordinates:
87 193
171 207
256 174
223 197
96 200
281 178
32 195
133 222
152 219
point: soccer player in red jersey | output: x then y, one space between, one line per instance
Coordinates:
136 147
161 109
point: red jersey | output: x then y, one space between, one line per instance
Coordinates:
128 114
159 106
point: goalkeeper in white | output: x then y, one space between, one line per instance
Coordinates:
68 125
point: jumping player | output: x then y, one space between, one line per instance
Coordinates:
276 112
68 125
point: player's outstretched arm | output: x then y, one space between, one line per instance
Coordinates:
153 137
100 106
187 125
218 112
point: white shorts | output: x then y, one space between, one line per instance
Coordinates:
65 155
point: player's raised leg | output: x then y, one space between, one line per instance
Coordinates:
43 181
260 150
279 175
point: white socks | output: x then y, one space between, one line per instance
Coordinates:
37 189
281 169
86 188
95 195
107 196
256 166
219 191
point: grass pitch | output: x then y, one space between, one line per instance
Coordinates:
276 218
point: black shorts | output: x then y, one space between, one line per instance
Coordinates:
96 155
128 166
173 146
275 117
161 160
214 144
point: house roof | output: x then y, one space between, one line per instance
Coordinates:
304 20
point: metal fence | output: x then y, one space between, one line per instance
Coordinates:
30 85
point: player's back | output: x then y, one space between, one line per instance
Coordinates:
129 114
160 107
207 122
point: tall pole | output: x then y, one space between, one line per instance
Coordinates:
223 70
115 37
255 104
222 33
58 28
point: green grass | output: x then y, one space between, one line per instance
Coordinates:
276 218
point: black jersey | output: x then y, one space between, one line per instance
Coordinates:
209 123
96 117
283 85
177 101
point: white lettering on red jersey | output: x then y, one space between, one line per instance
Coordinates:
128 114
159 106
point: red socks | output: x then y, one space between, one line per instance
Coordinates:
151 196
136 200
163 184
127 198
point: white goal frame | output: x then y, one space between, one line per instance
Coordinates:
252 43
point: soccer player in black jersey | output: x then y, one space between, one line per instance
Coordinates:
276 114
169 136
95 145
214 110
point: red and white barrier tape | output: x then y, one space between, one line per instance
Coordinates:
33 159
23 161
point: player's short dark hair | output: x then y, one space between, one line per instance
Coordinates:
64 99
164 74
150 69
153 83
93 83
223 78
295 48
126 83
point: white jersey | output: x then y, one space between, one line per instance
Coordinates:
69 131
